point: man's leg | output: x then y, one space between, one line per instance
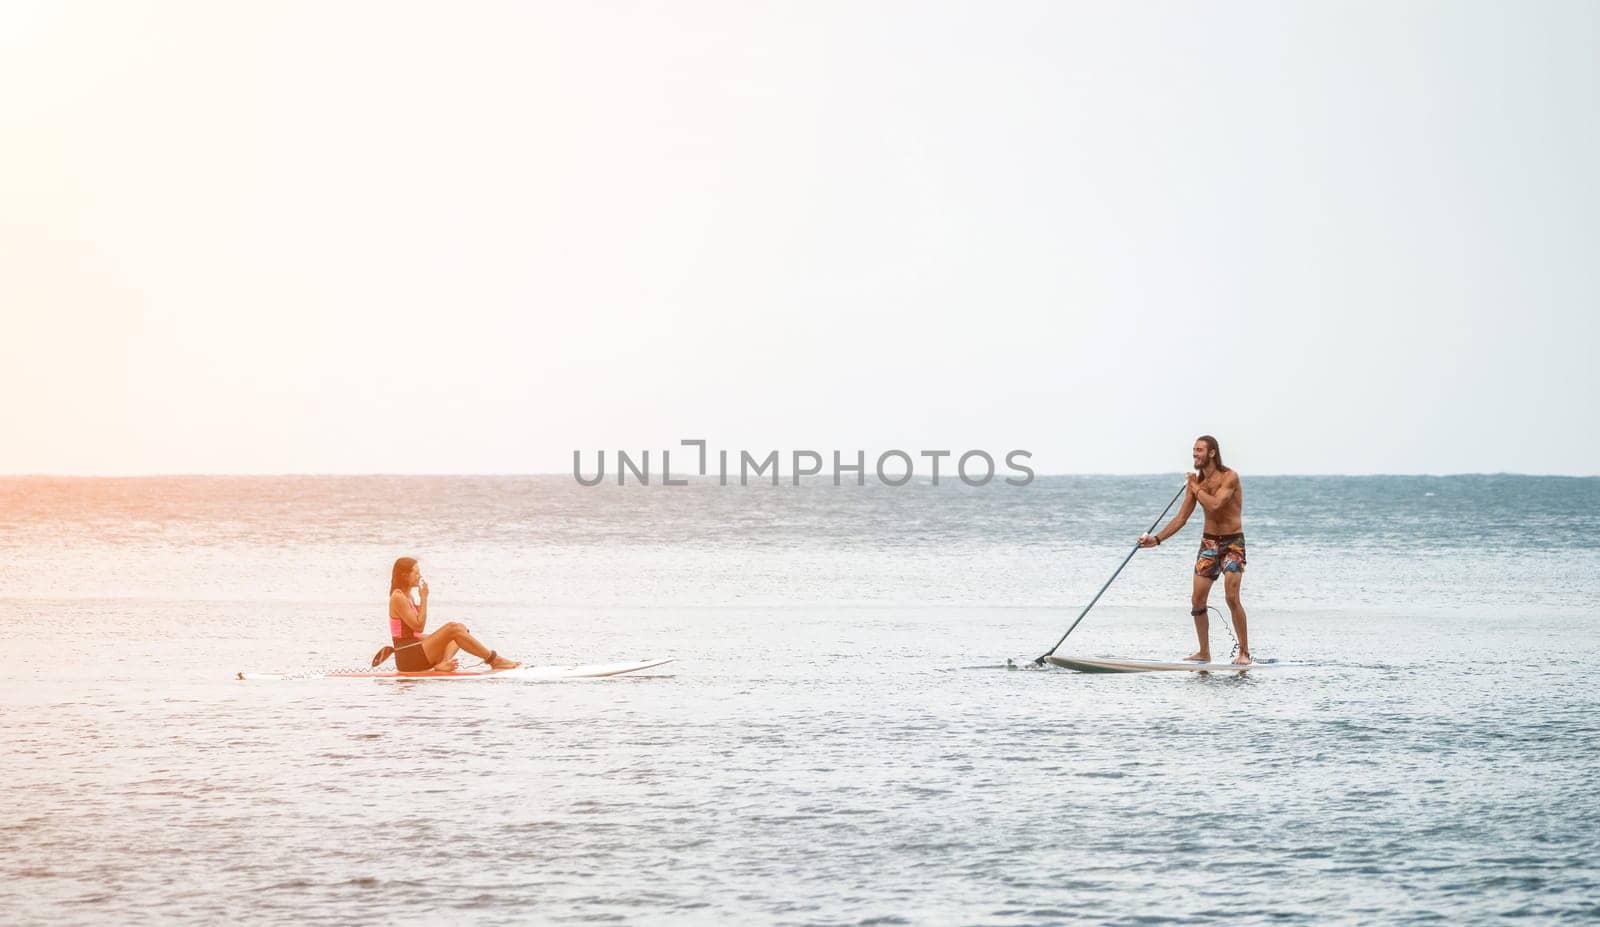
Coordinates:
1202 620
1231 581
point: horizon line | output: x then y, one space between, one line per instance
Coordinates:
708 478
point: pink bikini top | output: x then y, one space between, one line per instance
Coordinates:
400 631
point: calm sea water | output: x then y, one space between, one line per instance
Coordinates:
835 744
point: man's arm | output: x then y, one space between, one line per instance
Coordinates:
1213 499
1175 525
1178 520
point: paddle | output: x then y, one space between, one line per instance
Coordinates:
1039 660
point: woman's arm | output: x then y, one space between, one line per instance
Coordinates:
412 616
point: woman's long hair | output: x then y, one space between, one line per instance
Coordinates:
400 580
1216 451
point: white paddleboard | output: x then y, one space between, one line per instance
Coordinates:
1102 665
592 671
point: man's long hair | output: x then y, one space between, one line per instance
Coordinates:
1216 451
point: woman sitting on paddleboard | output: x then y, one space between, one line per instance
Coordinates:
418 652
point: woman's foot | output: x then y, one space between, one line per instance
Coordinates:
445 666
1199 656
497 662
1242 659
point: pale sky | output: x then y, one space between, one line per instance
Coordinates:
471 237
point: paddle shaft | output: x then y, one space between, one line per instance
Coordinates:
1040 659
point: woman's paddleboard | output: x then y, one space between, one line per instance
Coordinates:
593 671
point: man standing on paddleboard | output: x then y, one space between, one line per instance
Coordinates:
1216 488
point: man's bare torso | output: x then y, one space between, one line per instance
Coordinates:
1227 517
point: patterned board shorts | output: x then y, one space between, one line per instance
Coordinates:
1220 553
